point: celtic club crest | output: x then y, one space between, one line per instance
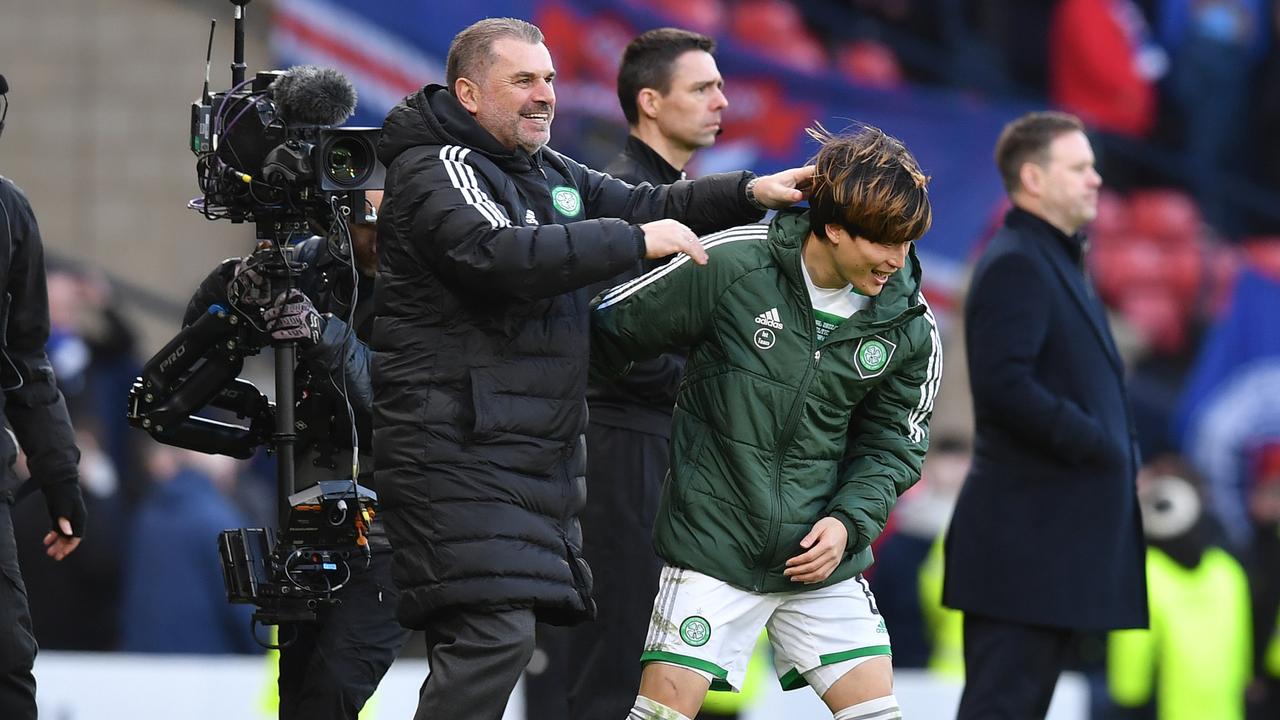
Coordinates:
872 356
566 200
695 631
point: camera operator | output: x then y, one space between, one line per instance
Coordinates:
329 668
33 406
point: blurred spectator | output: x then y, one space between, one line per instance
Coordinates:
1231 399
1104 65
1264 511
75 605
1216 46
918 520
1194 661
1017 29
174 600
93 351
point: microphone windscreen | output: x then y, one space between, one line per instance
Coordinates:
313 95
4 85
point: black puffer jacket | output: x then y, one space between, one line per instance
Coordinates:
480 353
29 396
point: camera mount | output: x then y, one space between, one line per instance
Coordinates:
267 152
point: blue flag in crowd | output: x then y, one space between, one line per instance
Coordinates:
1231 403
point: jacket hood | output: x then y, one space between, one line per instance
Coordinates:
433 116
787 233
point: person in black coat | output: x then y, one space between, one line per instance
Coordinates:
1046 541
34 407
487 242
671 93
331 667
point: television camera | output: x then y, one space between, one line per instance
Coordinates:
270 151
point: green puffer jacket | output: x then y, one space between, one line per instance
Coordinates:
772 431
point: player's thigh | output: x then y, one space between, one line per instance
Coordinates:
868 680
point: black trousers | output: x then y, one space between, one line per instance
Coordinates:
17 641
475 657
597 664
1010 669
333 666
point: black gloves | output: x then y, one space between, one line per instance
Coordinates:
293 317
248 286
64 501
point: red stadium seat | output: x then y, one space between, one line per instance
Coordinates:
776 29
1169 215
704 16
1135 261
867 62
1158 315
1113 221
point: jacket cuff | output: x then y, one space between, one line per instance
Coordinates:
641 248
854 542
749 208
329 348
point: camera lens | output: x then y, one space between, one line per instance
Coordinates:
348 161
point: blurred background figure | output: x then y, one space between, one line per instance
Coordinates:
75 604
1216 46
1264 579
1195 661
173 599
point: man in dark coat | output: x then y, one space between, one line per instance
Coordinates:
33 406
1046 541
329 668
488 240
672 95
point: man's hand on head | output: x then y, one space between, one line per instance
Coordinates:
783 189
667 237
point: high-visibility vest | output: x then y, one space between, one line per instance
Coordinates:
1196 658
944 626
1271 661
723 702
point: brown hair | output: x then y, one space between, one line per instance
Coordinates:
470 52
868 183
648 61
1027 139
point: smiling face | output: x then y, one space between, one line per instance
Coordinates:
514 100
845 259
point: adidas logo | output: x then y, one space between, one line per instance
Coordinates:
770 318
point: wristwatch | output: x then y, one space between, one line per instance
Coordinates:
751 195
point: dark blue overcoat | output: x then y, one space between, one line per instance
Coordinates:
1046 530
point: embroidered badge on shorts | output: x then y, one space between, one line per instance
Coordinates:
872 355
695 631
567 200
